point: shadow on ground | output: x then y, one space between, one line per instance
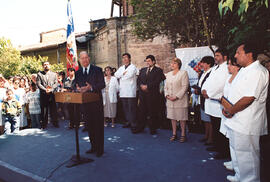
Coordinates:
127 158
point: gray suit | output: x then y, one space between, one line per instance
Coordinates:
47 101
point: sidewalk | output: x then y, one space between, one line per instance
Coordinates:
127 157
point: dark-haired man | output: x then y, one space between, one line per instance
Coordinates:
47 83
246 119
127 75
212 90
149 96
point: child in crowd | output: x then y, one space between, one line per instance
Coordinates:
2 97
11 109
32 98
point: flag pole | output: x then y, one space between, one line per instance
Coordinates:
71 55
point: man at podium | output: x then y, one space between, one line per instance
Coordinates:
89 78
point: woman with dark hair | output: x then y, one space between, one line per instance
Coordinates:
176 93
206 63
233 69
109 94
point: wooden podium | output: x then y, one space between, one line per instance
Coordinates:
76 99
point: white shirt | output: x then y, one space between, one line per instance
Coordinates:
88 68
227 88
20 95
2 94
214 87
128 82
251 81
112 92
33 98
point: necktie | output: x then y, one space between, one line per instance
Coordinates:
85 72
148 70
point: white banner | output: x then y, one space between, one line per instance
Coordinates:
190 58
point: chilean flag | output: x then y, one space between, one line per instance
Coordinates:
71 53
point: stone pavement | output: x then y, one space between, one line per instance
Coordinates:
36 155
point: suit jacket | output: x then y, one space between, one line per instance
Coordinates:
177 85
94 77
46 79
201 97
152 80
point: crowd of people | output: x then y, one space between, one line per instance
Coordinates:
233 95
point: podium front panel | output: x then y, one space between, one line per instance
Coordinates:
76 98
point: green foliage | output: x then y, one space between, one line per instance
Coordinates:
251 22
58 67
9 58
31 65
12 63
243 5
189 22
225 23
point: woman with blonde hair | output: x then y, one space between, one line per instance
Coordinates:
176 93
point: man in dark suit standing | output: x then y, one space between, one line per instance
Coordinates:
47 83
149 96
89 78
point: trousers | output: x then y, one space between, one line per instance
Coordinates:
246 156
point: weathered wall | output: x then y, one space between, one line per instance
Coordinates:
53 36
116 38
103 49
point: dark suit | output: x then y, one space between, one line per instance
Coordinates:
69 107
199 89
93 111
47 101
149 101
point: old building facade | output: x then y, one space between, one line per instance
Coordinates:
106 41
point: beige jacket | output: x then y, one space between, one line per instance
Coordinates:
177 85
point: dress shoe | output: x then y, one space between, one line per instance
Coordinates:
211 149
71 126
208 143
56 125
203 140
136 130
126 126
84 129
228 165
219 156
153 132
232 178
99 154
91 151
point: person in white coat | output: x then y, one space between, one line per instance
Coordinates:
127 75
109 95
246 119
233 69
212 91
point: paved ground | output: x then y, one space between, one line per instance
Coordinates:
127 158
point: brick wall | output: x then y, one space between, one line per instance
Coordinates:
116 38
